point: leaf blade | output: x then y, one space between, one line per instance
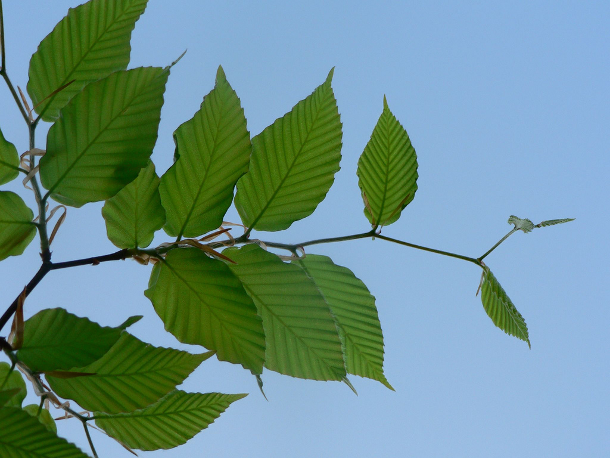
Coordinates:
9 160
16 227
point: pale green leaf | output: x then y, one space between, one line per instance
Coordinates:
387 170
293 163
16 227
130 376
202 302
301 333
105 135
9 380
354 308
524 225
43 416
167 423
500 308
213 151
91 42
135 212
23 436
552 222
9 160
54 339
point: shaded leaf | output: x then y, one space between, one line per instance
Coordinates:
24 436
213 151
16 227
132 375
105 135
524 225
354 308
387 170
91 42
9 160
44 417
7 395
10 380
135 212
293 164
202 302
167 423
55 339
552 222
500 308
301 333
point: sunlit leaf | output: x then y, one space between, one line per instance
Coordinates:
9 380
354 308
91 42
500 308
387 170
23 436
135 212
132 375
43 416
57 340
105 135
213 151
524 225
301 333
202 302
16 227
167 423
293 164
9 160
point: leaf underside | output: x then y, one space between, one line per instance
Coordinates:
16 227
9 160
15 381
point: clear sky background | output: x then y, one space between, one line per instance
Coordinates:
507 105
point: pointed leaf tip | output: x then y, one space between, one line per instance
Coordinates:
220 74
385 103
329 78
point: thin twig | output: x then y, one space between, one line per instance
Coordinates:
89 439
498 244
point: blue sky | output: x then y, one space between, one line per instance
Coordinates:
507 105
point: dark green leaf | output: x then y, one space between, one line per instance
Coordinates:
105 135
500 308
293 163
57 340
213 150
16 227
301 333
132 375
44 416
387 170
23 436
9 380
91 42
9 160
201 302
354 308
135 212
167 423
7 395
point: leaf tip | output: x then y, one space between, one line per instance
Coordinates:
385 103
220 75
329 78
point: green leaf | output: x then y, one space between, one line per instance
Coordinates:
302 336
9 380
387 170
44 416
91 42
201 302
169 422
7 395
16 227
54 339
9 160
213 151
354 308
500 308
105 135
132 375
293 163
552 222
24 436
524 225
135 212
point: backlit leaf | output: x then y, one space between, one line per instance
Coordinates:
91 42
16 227
9 380
167 423
301 333
202 302
135 212
130 376
213 151
387 170
43 416
105 135
9 160
7 395
293 164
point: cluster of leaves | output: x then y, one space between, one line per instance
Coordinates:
302 316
